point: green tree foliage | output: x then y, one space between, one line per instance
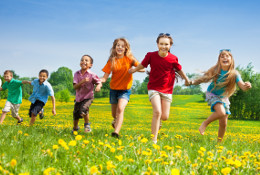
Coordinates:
62 79
246 105
63 95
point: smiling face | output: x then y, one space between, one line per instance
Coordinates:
225 60
120 49
86 62
164 46
42 77
8 77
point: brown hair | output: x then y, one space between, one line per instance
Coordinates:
164 35
9 72
113 54
213 74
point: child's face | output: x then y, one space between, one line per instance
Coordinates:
225 61
8 77
42 77
120 48
85 63
164 45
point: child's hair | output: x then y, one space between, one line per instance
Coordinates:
214 72
164 35
44 71
91 59
113 54
8 72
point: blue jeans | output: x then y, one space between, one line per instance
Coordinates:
117 94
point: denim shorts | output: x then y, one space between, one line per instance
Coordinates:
117 94
213 99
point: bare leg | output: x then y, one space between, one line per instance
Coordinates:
18 118
120 114
157 113
75 124
222 127
218 114
33 118
166 105
86 118
2 117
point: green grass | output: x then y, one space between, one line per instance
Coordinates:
180 144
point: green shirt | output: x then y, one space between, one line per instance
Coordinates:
14 91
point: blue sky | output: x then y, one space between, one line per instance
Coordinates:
54 33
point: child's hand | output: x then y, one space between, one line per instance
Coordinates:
188 83
53 111
86 79
248 85
97 89
103 80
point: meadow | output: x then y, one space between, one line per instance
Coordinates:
49 147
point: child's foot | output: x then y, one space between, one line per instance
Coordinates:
20 121
202 128
72 132
155 141
113 123
41 114
87 127
114 134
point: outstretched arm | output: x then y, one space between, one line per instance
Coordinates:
26 82
183 76
244 85
53 105
139 68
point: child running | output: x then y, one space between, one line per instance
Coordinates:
14 98
161 79
120 61
224 78
41 90
83 82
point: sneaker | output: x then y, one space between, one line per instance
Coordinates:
41 114
114 134
87 127
21 121
113 123
72 132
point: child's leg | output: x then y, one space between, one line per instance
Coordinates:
75 124
33 118
2 117
86 118
157 113
113 110
120 114
166 105
222 127
218 114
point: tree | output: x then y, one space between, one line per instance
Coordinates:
246 105
63 95
62 79
105 89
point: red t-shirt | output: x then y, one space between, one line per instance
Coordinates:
162 74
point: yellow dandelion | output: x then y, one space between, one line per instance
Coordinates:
175 171
226 170
119 158
78 137
13 162
94 170
72 143
112 150
55 147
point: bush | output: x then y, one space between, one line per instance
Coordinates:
63 95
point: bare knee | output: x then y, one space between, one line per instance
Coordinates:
157 114
165 117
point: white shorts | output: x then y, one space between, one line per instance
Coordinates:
13 107
152 93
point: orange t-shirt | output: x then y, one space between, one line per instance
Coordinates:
121 79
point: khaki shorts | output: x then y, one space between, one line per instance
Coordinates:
13 107
152 93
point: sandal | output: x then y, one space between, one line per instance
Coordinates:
114 134
72 132
87 127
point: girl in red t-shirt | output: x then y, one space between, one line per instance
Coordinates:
161 79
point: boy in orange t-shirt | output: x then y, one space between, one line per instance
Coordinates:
119 63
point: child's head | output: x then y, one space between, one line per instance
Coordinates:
226 60
8 75
43 75
121 47
86 62
164 39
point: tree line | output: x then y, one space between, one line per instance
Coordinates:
245 105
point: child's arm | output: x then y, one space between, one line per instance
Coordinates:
244 85
26 82
139 68
183 76
53 105
77 86
104 78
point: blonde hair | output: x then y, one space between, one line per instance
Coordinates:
128 52
213 74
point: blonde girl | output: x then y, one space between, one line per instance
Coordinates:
120 61
161 79
224 78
